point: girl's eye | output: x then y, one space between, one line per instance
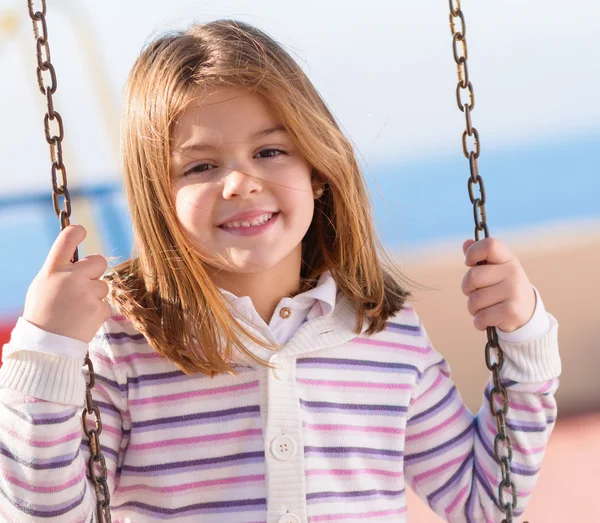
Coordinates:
270 153
200 168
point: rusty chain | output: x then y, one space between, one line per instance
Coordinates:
494 357
54 131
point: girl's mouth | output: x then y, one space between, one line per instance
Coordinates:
251 228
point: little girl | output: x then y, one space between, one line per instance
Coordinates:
257 361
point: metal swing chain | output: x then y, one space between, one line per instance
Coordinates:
494 357
59 188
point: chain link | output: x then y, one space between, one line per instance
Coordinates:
494 357
55 133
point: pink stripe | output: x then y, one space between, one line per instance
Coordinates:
197 439
456 500
528 408
526 452
433 386
40 443
197 484
119 319
546 387
109 428
23 400
437 428
335 428
363 515
45 489
128 359
391 345
353 472
358 384
195 394
435 470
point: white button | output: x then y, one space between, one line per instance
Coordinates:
289 518
282 368
283 448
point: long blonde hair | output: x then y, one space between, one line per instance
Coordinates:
166 291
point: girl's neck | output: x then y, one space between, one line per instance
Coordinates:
265 288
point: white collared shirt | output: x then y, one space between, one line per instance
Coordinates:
290 313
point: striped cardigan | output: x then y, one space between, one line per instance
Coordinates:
334 431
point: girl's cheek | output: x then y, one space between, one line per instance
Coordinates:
192 203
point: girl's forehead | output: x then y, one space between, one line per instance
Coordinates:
223 115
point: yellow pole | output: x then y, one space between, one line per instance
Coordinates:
99 75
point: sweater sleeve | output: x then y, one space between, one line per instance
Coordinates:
449 457
43 451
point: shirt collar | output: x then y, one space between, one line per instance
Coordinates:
322 296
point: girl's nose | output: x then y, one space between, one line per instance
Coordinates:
241 185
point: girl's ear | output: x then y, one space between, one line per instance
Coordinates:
318 185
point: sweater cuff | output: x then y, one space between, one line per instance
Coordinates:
51 378
537 326
532 361
27 336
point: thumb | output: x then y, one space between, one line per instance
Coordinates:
466 245
64 246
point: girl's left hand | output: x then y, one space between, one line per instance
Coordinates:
500 293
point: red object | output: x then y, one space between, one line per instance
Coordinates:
6 328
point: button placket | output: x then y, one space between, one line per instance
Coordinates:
283 444
281 368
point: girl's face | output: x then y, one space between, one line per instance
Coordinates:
243 191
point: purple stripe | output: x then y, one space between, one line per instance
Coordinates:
107 407
40 464
492 493
251 411
123 337
158 378
360 365
122 388
46 511
214 507
432 411
412 330
354 495
468 461
529 426
482 479
176 467
344 452
326 406
175 376
44 419
440 449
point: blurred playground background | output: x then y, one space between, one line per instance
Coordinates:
386 70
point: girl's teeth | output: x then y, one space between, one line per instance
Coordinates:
257 221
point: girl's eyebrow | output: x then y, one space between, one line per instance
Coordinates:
204 146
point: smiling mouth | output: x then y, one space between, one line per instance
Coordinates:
256 222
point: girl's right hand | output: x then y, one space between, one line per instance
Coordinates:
68 298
